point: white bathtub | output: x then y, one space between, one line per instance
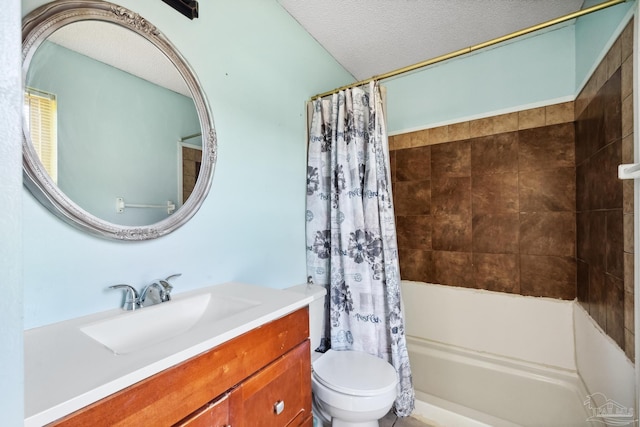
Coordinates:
483 358
465 389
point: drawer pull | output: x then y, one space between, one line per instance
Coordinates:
278 407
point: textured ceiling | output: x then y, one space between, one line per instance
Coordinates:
371 37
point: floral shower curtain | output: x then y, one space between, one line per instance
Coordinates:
351 235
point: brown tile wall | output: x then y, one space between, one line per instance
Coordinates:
490 203
528 202
604 204
191 160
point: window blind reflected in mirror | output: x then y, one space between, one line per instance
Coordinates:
40 110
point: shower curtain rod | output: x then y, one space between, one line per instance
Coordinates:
473 48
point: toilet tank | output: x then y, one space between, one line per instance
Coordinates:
316 310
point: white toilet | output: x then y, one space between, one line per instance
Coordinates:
350 388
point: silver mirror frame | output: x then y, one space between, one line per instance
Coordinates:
37 26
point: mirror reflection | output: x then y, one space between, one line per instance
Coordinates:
112 126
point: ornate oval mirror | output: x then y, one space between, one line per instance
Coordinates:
118 137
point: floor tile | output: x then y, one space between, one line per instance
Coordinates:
391 420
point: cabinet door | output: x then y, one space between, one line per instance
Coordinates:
215 414
277 396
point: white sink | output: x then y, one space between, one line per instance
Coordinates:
129 331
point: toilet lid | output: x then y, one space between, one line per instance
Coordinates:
355 373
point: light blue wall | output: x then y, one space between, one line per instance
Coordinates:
593 33
11 296
529 70
117 134
258 68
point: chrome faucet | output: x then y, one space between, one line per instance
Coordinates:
131 299
147 297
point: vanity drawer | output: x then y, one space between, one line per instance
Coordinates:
277 396
215 414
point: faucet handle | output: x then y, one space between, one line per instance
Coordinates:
131 298
167 286
172 276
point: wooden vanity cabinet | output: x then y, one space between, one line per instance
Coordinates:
259 379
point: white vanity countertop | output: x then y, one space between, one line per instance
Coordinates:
66 370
